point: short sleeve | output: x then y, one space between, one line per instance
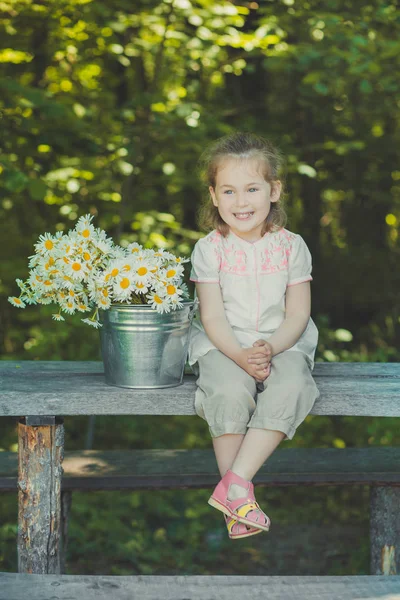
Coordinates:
205 262
300 265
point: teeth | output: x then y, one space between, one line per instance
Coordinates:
243 215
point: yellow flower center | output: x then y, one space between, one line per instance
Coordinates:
47 282
51 261
153 270
86 233
17 301
140 285
171 273
127 268
82 306
67 278
70 304
157 299
49 245
38 278
171 289
86 255
105 293
76 266
66 260
125 283
71 293
135 250
142 271
114 272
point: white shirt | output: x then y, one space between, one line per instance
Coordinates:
253 277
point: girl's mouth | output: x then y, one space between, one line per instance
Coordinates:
244 216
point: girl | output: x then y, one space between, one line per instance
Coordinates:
252 337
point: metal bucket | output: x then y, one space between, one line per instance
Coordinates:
142 348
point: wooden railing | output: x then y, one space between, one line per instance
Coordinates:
40 394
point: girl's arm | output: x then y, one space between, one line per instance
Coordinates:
297 315
218 328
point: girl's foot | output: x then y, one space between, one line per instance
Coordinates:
239 530
243 508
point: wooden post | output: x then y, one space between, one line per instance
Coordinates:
385 530
66 502
40 454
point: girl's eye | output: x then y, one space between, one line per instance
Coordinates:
255 189
227 191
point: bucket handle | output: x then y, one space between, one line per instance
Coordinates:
193 309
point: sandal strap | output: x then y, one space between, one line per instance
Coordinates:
244 508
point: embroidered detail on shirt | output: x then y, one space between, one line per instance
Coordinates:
276 256
234 260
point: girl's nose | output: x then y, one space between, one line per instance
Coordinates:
241 200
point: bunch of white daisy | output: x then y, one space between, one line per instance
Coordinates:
83 270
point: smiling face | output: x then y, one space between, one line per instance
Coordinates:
243 197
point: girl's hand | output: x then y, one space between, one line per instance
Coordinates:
261 359
259 370
262 353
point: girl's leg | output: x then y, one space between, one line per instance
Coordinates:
287 399
225 398
226 448
257 446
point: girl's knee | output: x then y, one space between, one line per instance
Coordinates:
227 409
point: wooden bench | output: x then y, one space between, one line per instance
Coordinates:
15 586
41 393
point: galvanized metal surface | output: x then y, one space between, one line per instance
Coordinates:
142 348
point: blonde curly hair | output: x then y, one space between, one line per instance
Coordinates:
243 146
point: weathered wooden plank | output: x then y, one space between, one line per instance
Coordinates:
196 468
40 451
35 388
197 587
385 530
326 369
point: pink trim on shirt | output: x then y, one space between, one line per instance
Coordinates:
301 280
258 290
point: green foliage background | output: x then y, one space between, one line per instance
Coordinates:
105 108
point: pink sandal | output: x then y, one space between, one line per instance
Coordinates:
246 510
239 530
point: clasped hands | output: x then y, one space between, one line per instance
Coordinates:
257 360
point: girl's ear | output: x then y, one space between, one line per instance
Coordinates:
213 196
276 189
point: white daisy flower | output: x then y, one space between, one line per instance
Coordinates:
141 288
104 302
123 287
95 324
134 248
156 301
84 227
173 292
172 273
143 272
102 242
47 243
76 269
16 302
69 306
58 317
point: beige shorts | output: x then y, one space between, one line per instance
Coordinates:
230 400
